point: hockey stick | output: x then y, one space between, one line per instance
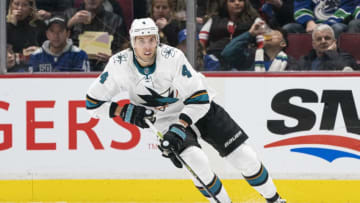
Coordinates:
160 136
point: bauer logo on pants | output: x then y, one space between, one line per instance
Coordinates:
232 139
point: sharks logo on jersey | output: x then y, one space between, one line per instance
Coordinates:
121 58
158 101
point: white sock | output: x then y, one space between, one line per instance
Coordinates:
244 158
199 163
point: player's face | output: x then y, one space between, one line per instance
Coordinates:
145 49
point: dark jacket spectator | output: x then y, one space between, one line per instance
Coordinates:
235 18
95 18
109 5
334 60
25 32
123 8
325 54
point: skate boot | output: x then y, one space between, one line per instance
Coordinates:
279 200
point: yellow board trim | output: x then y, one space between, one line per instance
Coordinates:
138 191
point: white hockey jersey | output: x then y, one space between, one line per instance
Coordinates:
170 87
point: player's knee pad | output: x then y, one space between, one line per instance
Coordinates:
244 158
198 161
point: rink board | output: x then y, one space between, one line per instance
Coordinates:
180 191
50 149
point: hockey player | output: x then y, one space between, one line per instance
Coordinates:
159 80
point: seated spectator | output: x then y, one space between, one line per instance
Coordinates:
180 9
325 55
182 46
123 8
25 32
11 61
162 12
235 18
91 16
48 8
112 6
308 14
58 53
354 25
275 12
259 51
10 57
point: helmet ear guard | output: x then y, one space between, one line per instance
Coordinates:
143 27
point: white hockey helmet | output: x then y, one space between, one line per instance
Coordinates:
142 27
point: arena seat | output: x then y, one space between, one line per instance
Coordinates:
299 45
350 43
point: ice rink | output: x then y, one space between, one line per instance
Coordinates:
175 191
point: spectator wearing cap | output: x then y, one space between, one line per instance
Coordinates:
182 46
58 53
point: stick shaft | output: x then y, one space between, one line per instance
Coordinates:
160 136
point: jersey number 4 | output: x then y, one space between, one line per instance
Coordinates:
103 77
186 72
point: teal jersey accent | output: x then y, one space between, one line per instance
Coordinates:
148 70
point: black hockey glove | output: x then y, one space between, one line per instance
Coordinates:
136 115
171 156
174 137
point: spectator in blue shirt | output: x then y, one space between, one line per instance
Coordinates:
308 14
58 53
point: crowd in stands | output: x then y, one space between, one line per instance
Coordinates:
233 35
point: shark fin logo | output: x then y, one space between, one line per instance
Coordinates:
156 100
